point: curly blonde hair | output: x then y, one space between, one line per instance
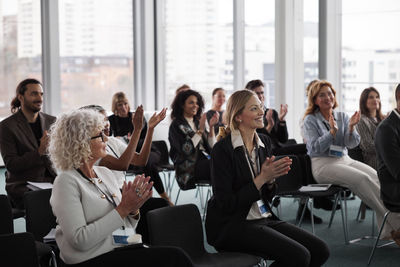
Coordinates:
70 138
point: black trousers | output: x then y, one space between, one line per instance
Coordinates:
142 257
151 169
202 169
286 244
151 204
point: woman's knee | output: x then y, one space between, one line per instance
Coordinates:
319 254
296 256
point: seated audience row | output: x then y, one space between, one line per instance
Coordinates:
93 212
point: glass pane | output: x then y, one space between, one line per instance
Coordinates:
20 47
260 45
96 49
310 45
198 46
371 51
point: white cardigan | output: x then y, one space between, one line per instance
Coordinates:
85 220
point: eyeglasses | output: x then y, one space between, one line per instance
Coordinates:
102 135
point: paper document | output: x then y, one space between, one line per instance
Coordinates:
37 186
314 187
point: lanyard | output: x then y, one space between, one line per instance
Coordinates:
112 150
327 126
107 195
257 163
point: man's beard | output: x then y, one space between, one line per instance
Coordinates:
32 108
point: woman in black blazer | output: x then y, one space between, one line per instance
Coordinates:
243 172
190 142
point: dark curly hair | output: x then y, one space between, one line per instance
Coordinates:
179 102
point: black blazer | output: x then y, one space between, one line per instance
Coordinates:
387 144
233 189
279 133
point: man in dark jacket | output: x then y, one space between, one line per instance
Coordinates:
387 145
24 141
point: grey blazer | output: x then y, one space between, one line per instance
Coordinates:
19 150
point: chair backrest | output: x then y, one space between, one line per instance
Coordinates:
6 219
178 226
356 154
293 180
18 250
163 148
39 215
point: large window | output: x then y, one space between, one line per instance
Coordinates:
20 47
371 50
310 45
260 45
96 51
198 46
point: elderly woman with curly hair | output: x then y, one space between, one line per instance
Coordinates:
95 219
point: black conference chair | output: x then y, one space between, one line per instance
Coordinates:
16 213
289 186
18 250
164 166
180 226
43 251
6 218
40 220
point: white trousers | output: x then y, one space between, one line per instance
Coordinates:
359 178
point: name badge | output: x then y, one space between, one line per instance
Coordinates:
335 151
126 236
263 209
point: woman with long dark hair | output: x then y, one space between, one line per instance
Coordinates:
371 116
190 142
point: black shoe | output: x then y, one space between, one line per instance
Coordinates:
307 215
324 203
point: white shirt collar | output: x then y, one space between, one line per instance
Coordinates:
237 139
397 113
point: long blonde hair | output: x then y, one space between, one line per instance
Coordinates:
313 92
236 103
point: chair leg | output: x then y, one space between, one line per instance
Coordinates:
177 196
377 239
53 259
312 215
344 218
171 183
302 213
333 210
200 191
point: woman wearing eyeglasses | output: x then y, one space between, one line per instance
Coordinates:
94 217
